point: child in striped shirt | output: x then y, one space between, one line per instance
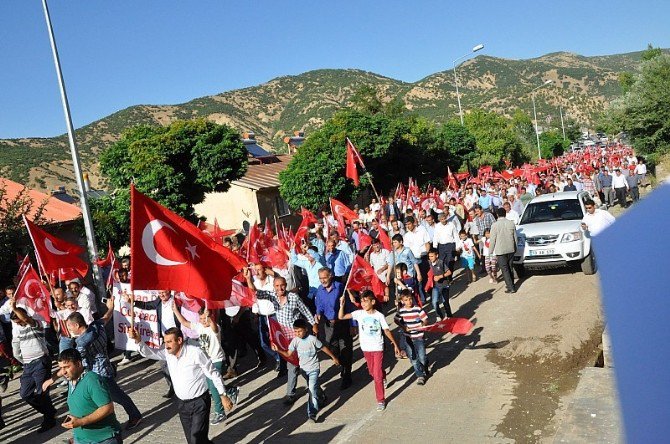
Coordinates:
411 317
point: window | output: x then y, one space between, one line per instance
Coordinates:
282 207
554 210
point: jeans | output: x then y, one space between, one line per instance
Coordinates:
264 336
120 397
337 336
375 359
441 294
423 268
216 396
34 374
621 195
312 379
635 194
446 254
292 377
416 352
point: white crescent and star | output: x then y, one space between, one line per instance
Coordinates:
148 234
51 248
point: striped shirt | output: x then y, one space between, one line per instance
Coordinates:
412 318
28 342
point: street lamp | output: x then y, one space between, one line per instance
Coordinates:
458 96
537 134
560 110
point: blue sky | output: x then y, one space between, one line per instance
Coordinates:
124 52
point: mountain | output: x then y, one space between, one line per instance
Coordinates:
582 85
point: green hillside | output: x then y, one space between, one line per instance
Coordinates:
305 101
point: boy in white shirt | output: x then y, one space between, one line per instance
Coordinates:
467 249
372 327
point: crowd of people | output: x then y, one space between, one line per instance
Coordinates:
414 241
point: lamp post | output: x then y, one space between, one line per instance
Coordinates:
537 134
560 110
458 96
88 222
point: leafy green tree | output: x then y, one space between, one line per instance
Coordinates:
175 165
644 112
626 80
552 144
392 148
13 235
454 144
651 52
496 140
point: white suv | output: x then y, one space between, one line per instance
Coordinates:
550 233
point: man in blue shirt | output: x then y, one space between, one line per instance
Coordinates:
333 332
336 260
310 261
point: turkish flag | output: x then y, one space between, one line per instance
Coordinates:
32 293
187 302
54 253
241 296
277 255
364 240
342 213
306 214
170 253
457 326
281 336
385 239
351 172
452 182
301 234
363 277
23 266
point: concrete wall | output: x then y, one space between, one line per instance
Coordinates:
235 208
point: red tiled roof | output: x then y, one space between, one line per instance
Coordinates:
54 211
263 175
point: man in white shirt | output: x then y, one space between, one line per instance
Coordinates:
85 297
418 241
595 220
620 185
189 370
511 214
444 239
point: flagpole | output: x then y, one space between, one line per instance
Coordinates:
88 222
360 159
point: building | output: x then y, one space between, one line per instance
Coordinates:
253 198
60 218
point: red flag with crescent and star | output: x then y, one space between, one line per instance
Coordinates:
281 337
31 292
170 253
353 161
457 326
363 277
54 253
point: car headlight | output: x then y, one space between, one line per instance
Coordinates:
571 237
520 241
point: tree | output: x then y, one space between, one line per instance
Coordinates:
13 235
626 81
651 52
644 112
454 144
496 141
393 149
175 165
552 144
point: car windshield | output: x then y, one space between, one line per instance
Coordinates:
553 210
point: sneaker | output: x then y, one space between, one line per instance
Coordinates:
289 400
15 369
312 418
233 393
132 423
421 381
4 383
47 424
217 418
169 394
124 361
381 406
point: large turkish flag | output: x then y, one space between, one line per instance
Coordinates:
54 253
363 277
170 253
31 292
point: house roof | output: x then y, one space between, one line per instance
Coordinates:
55 210
263 175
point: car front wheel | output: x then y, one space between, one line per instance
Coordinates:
589 264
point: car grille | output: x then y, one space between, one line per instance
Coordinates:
543 257
542 240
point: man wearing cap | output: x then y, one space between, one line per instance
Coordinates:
620 186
